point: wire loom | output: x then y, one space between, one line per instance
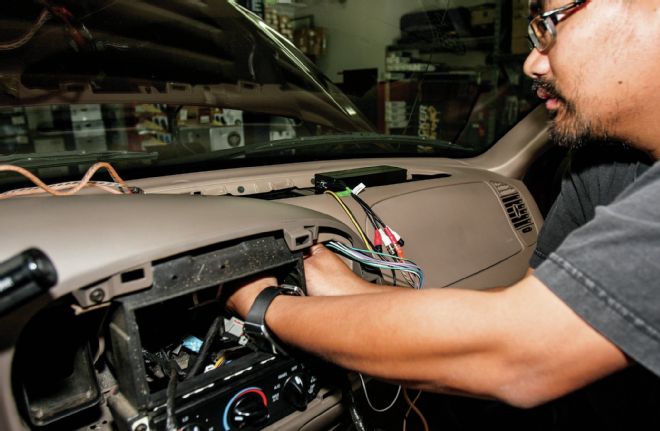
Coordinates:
72 187
394 261
400 264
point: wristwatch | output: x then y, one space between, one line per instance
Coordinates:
255 322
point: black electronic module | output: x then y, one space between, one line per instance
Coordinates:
371 177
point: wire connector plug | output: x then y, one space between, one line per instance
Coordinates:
398 251
378 241
359 188
345 193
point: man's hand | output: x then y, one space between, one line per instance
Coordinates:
327 275
242 298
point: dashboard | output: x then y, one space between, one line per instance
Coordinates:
141 281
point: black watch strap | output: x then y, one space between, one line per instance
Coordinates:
255 322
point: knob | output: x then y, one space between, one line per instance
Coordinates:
249 410
295 391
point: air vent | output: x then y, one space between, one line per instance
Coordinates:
517 211
515 207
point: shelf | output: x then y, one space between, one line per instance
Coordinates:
281 4
450 45
290 3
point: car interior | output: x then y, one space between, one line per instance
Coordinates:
112 300
137 274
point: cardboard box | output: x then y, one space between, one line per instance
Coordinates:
482 15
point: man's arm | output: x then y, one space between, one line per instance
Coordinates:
521 345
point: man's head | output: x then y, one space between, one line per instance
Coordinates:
601 76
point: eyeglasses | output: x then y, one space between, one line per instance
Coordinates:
542 29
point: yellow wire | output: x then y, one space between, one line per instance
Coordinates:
219 362
350 216
413 407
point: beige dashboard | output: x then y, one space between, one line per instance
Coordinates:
465 226
456 227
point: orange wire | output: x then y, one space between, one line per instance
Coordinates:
414 408
54 190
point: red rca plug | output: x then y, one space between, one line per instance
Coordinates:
378 241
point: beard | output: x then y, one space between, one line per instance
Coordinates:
568 127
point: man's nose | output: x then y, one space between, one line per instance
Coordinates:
537 64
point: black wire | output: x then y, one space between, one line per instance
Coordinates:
375 221
371 219
170 423
355 218
206 346
365 206
356 417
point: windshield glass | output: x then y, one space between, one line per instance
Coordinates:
158 87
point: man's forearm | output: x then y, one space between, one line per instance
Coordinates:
521 345
434 339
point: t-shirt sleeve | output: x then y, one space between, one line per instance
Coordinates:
608 271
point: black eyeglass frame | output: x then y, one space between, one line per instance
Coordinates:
550 19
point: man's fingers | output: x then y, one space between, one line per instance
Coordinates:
316 249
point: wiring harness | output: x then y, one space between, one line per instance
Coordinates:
386 249
381 261
385 252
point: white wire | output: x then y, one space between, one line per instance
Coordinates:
366 395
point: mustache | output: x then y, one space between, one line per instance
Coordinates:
549 87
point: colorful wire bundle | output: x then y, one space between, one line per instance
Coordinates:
406 266
392 260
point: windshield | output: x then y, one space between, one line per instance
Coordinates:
159 87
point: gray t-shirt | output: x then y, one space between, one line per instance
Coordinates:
608 270
596 175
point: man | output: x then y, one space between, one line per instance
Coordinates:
590 309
